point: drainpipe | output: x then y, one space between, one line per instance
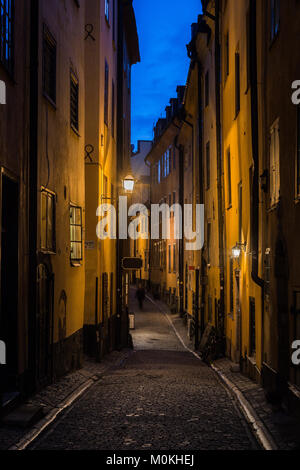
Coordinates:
181 241
216 19
255 152
33 180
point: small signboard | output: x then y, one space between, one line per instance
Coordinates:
132 264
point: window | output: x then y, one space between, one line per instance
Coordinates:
76 234
107 10
229 195
208 243
226 55
74 101
237 85
274 163
252 326
158 172
174 259
275 18
49 65
106 93
113 109
248 38
298 152
207 88
47 221
170 258
7 34
231 286
240 193
207 165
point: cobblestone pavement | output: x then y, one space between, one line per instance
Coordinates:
158 400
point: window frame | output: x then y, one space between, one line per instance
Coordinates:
50 39
48 249
75 82
76 262
8 61
274 164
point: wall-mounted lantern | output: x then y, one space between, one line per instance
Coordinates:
128 184
237 249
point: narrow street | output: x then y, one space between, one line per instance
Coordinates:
161 398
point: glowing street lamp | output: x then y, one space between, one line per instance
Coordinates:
236 250
128 184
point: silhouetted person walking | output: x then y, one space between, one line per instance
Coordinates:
140 295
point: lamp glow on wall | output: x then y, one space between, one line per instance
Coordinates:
237 249
128 184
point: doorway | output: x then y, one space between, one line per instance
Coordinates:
9 278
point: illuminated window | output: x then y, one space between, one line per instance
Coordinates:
159 172
7 33
275 18
76 234
274 163
47 221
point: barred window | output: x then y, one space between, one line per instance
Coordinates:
74 101
7 34
76 234
107 10
49 65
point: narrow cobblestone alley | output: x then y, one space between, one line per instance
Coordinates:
161 398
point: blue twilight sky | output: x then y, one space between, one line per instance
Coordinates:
164 28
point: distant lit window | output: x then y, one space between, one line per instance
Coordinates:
7 33
76 234
106 86
274 163
107 10
275 18
49 65
159 172
47 222
298 151
74 101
